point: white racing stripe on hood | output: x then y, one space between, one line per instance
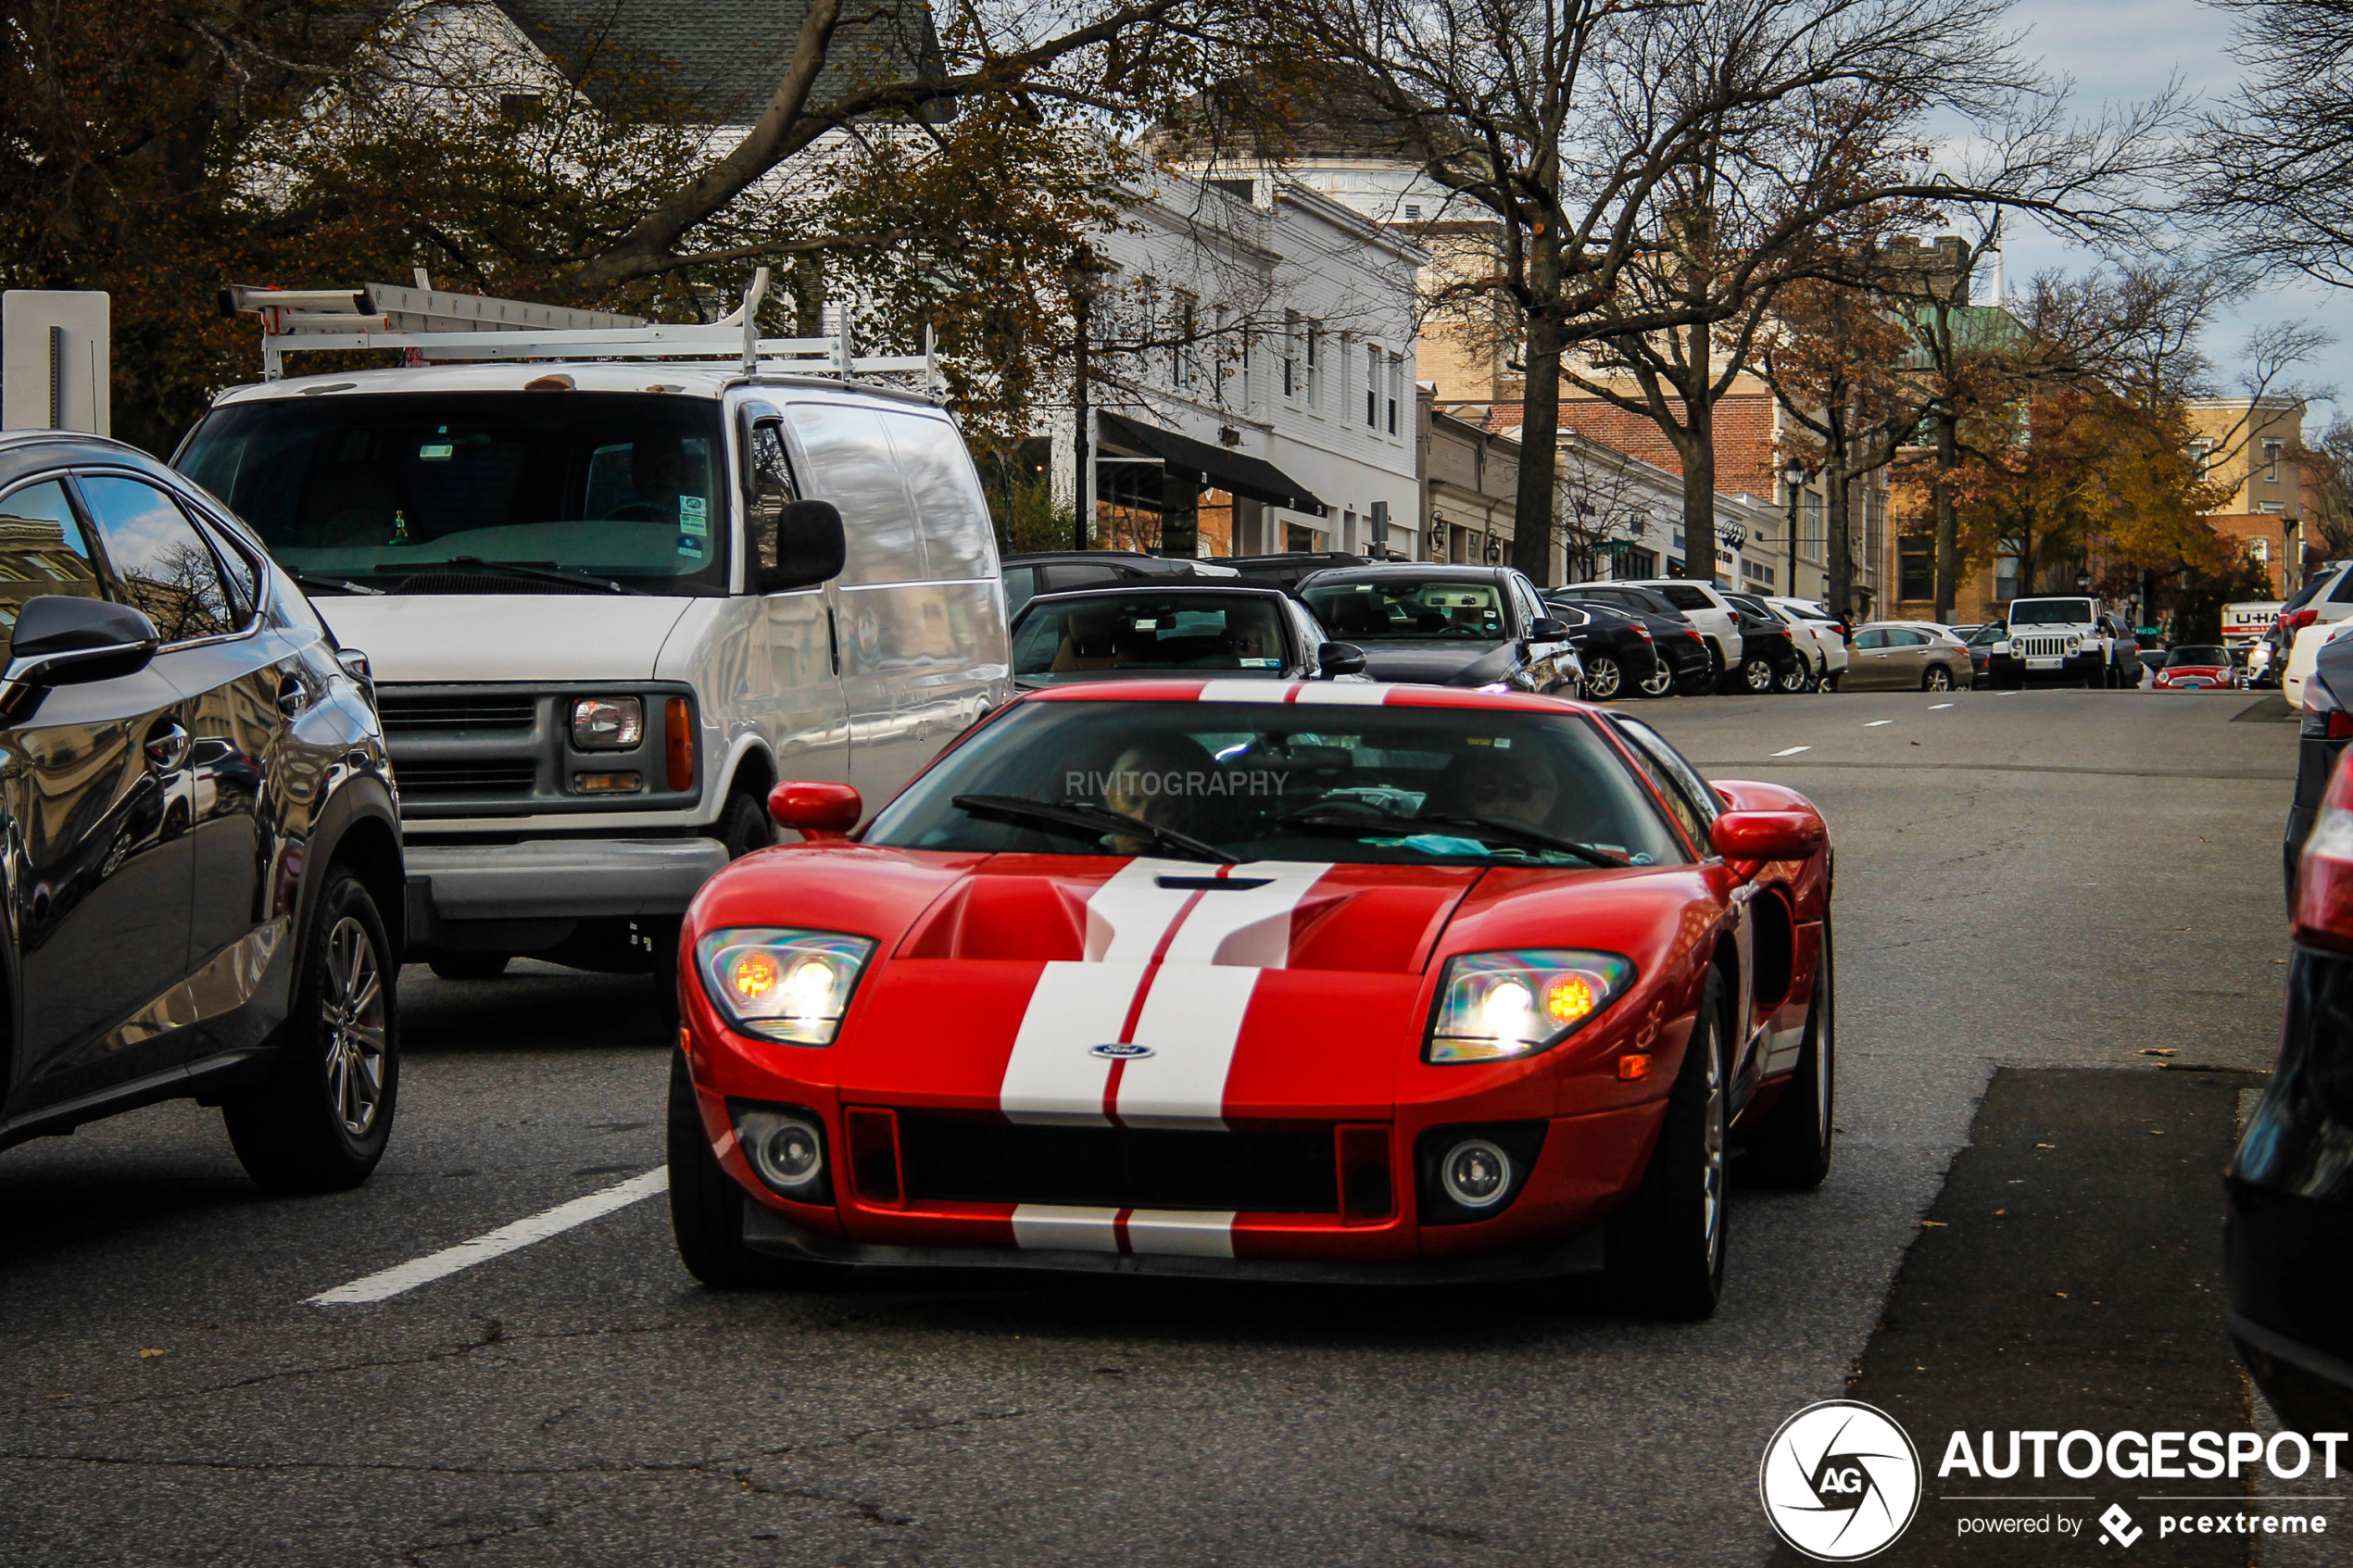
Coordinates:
1250 926
1127 915
1076 1007
1246 691
1337 694
1191 1022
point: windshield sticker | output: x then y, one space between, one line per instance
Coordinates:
435 452
693 515
1501 742
1148 625
1262 664
690 547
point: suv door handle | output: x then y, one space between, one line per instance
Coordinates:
168 748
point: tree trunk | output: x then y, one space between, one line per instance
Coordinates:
1948 530
1538 450
1837 547
1698 452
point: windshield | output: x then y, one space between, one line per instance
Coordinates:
2052 612
2202 655
1398 608
1285 781
1147 634
1986 634
618 486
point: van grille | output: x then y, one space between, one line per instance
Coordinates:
1120 1167
438 715
490 776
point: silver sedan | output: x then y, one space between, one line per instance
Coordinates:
1906 655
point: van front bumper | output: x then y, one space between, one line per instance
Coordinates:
556 879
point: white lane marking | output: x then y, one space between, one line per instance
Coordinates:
1877 723
495 1244
1177 1230
1935 706
1793 751
1060 1227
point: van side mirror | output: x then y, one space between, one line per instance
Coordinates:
818 811
1340 659
809 548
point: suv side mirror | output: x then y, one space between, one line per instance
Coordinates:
1340 659
808 545
60 640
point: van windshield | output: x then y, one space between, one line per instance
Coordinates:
386 491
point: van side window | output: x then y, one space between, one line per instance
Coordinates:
958 539
849 463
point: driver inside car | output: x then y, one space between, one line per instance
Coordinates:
1486 781
1150 782
657 472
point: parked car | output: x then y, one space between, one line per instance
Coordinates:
2325 704
1981 655
1672 631
1828 634
1704 604
1815 609
1116 634
1290 570
1908 656
2327 594
2288 1234
1811 641
2064 640
205 868
1061 571
1769 660
2198 667
601 615
1617 649
1448 626
2304 653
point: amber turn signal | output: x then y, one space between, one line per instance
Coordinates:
679 737
1633 1067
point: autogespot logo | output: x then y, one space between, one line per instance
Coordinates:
1841 1480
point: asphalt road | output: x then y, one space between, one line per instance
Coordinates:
2049 884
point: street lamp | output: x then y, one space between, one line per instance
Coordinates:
1792 476
2083 581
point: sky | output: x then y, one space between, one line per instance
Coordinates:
2123 51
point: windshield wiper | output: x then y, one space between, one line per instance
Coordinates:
1096 820
570 578
1355 822
336 585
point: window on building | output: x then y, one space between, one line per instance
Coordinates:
2202 458
1314 363
1396 388
2259 548
1240 190
1372 388
1810 532
2272 450
1291 353
1916 567
1185 360
1246 367
1413 211
1756 572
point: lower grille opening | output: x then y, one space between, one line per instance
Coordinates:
1119 1167
466 778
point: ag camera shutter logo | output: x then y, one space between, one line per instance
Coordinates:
1840 1481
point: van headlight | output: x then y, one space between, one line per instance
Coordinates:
608 724
1493 1007
782 985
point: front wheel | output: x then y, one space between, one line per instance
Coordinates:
1937 679
322 1119
1665 1247
1755 675
1659 681
707 1208
1604 678
1798 678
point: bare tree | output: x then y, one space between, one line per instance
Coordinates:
2274 172
1571 127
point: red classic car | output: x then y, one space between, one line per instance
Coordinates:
1296 981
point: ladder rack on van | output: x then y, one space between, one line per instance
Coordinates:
431 324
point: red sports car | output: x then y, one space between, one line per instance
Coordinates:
1297 982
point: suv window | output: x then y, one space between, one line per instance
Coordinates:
164 564
1686 598
43 550
2343 592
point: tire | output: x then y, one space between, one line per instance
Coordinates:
1700 683
1660 681
1791 1152
320 1121
1937 679
1797 679
743 825
1754 676
1665 1248
707 1209
1832 680
1604 677
470 966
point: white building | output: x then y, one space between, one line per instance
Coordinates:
1252 376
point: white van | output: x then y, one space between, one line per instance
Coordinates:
606 612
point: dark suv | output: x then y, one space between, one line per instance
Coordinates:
199 841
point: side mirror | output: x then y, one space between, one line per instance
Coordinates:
1340 659
1765 835
819 813
807 547
63 641
1546 629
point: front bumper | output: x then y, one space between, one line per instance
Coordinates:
556 879
2003 668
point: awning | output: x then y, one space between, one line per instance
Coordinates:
1253 477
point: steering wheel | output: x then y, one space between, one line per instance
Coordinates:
635 511
1463 632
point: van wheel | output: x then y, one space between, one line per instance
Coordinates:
743 826
707 1208
1665 1247
322 1119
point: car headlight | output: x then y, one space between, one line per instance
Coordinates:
608 724
1493 1006
782 985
